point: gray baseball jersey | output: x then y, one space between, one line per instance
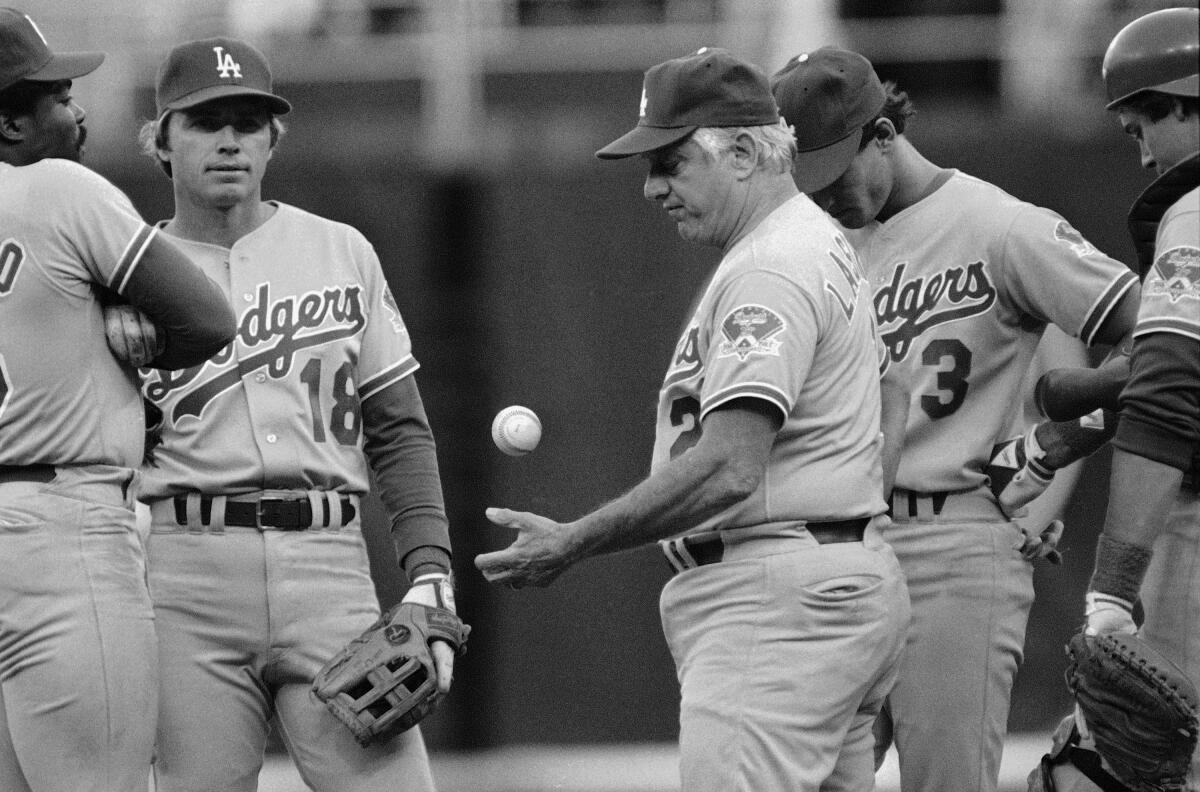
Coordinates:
961 310
280 406
64 399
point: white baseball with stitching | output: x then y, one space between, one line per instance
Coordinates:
516 430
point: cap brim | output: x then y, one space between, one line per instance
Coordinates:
641 139
276 104
817 169
67 66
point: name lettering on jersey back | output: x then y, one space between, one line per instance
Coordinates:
906 308
847 263
687 356
272 333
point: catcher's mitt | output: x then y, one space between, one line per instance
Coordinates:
385 681
1138 707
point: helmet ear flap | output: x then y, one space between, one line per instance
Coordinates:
1155 52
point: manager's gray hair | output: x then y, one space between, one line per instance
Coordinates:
776 143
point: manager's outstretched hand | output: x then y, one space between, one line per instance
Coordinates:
541 552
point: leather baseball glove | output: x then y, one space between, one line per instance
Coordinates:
1138 708
385 681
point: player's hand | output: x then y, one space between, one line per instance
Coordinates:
436 590
540 553
1044 545
1105 613
1018 473
132 337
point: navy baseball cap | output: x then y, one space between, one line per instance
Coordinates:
710 88
827 96
215 68
24 54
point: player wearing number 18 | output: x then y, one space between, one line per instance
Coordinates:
965 279
257 565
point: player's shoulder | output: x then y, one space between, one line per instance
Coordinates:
298 217
1187 204
65 178
301 226
983 199
795 241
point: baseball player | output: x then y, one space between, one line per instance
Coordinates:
1150 542
77 658
257 566
787 610
965 278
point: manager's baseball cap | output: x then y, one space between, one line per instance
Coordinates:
827 96
24 54
215 68
710 88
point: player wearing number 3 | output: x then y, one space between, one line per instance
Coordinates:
257 565
965 278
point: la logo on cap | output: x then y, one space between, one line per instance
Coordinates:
226 66
642 106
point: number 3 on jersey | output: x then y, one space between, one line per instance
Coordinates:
345 414
951 382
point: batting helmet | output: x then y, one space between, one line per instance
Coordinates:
1156 52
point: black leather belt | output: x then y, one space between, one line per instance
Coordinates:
709 549
288 514
39 474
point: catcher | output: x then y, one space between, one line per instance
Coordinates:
1133 701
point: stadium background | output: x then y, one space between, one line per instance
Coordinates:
458 136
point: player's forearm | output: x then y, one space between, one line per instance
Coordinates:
1140 495
1141 491
723 469
682 494
193 313
399 445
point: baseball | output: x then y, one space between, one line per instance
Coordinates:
516 430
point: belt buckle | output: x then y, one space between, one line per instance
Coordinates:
279 513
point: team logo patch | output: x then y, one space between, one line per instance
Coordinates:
389 304
750 330
1064 233
1176 274
642 104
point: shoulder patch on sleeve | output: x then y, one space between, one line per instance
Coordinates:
1176 274
750 330
1067 235
393 310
